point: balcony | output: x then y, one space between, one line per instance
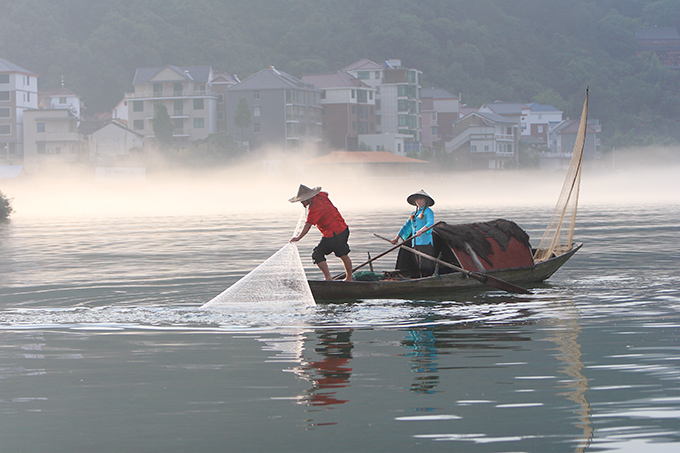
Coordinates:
170 94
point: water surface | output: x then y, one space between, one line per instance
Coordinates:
105 347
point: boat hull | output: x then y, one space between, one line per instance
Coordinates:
440 285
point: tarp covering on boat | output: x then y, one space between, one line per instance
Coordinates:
497 244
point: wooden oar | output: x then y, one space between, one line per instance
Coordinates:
383 253
483 278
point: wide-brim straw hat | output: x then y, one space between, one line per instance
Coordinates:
411 199
305 193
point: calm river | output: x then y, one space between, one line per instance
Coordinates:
103 346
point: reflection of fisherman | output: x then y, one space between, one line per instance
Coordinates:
332 371
417 224
330 223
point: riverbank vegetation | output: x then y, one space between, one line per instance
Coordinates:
5 207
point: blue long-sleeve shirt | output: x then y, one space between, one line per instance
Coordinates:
415 223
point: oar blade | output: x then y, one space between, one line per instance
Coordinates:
500 284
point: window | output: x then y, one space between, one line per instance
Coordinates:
199 123
178 106
40 126
4 95
198 104
354 94
363 75
137 106
178 124
540 129
4 112
220 99
62 100
323 94
138 125
256 94
5 129
177 88
256 127
256 111
4 78
157 89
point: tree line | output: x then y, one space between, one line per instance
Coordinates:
543 51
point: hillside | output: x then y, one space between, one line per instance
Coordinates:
543 51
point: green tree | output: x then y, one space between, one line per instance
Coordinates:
242 115
162 125
5 207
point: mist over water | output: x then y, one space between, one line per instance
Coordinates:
635 177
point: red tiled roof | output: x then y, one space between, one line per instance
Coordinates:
364 157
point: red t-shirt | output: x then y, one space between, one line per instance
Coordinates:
325 216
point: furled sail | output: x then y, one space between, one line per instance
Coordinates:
559 235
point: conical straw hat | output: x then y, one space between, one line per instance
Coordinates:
305 193
411 199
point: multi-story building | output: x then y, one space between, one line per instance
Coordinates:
484 141
18 93
61 98
285 112
663 41
348 109
220 83
51 138
398 91
563 136
540 120
439 110
185 91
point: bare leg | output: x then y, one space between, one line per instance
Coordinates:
347 262
323 265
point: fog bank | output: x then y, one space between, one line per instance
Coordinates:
251 188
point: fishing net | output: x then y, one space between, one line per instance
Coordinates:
559 235
279 282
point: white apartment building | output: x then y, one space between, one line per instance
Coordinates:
18 93
185 91
398 93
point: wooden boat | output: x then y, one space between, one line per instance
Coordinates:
476 248
434 286
483 255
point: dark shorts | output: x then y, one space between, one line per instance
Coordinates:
336 244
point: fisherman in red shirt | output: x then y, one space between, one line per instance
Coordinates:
332 226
